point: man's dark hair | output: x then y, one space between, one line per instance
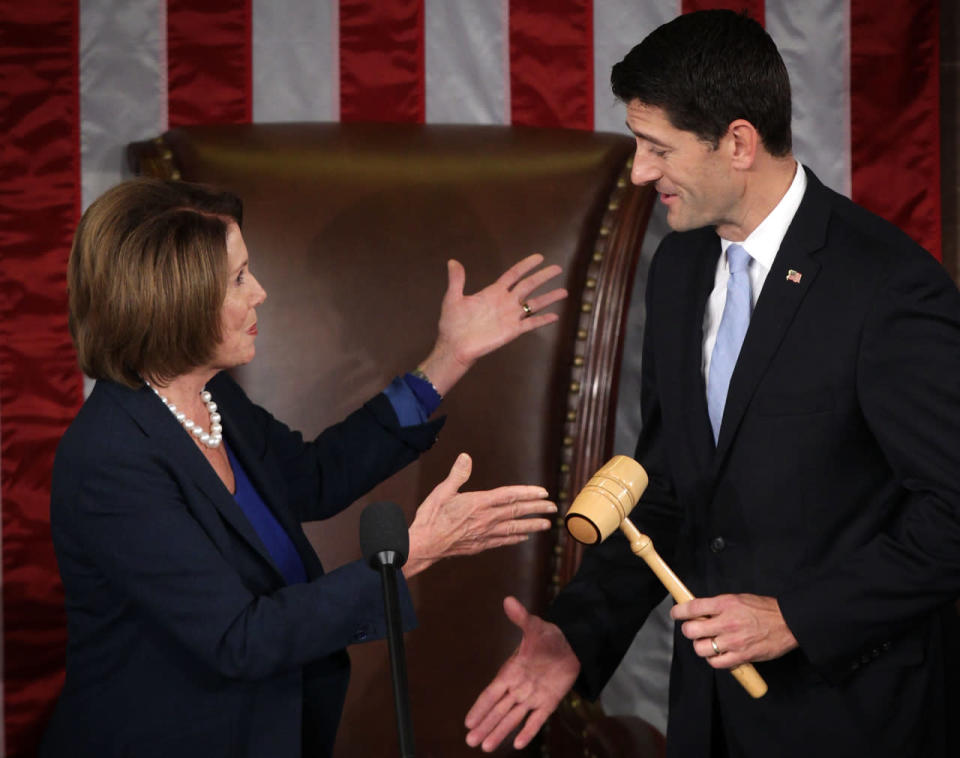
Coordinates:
707 69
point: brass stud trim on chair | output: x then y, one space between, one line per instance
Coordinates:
598 323
594 275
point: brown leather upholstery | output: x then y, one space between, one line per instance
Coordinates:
349 228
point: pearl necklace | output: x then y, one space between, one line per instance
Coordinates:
211 439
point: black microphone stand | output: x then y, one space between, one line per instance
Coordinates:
387 560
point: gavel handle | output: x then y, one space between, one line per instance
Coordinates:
642 547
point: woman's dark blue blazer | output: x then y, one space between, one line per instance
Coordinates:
184 639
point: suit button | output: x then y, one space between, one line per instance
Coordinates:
717 544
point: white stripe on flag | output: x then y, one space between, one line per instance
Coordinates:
295 61
814 39
618 25
123 90
466 50
123 86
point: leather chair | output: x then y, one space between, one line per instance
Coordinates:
349 227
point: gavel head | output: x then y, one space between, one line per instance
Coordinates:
606 500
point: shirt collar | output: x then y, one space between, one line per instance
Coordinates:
764 241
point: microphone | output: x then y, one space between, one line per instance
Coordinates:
385 543
383 535
604 505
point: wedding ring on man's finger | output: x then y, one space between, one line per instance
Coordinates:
527 310
715 646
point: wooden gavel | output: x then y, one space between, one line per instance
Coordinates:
604 505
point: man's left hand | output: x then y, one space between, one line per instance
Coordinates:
742 627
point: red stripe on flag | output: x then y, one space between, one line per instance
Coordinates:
210 61
756 9
382 70
40 385
895 114
551 63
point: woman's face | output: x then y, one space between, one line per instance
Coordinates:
238 317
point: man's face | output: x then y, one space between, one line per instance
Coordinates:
694 180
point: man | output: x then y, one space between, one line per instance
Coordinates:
801 408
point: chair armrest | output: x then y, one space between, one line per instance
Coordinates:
580 728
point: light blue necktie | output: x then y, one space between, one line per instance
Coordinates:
733 327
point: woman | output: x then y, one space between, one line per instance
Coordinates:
200 621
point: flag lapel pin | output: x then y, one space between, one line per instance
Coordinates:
794 276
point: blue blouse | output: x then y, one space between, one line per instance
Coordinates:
413 400
271 533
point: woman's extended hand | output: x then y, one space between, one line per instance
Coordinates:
473 325
450 522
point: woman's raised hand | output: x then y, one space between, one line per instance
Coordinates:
473 325
450 522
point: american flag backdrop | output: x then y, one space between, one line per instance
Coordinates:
80 79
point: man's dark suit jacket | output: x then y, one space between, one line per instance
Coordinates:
184 639
834 487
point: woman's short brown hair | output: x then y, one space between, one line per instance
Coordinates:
147 277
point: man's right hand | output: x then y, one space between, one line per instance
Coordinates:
532 681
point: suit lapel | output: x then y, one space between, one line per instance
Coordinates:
158 423
268 489
694 392
778 303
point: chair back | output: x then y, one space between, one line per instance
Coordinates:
349 227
